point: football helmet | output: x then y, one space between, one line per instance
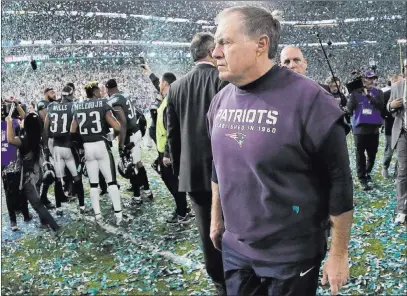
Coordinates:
48 175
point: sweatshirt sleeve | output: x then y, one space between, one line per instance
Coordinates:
334 158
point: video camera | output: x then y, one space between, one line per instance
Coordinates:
356 82
6 106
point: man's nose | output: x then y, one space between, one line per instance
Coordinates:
217 52
291 65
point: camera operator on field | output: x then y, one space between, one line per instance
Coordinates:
366 104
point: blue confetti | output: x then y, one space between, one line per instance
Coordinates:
296 209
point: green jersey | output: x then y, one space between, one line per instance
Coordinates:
122 99
43 104
90 116
60 118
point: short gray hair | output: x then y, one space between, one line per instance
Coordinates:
201 44
258 21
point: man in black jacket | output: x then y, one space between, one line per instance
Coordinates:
190 148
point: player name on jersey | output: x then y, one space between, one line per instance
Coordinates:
89 105
59 107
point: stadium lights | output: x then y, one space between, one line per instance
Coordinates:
202 22
365 19
42 42
114 15
315 25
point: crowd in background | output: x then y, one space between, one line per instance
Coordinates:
29 87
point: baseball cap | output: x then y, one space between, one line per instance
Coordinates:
47 90
369 74
111 83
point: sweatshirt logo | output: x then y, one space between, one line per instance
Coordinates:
238 137
242 120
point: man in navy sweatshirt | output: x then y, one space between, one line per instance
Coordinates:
281 167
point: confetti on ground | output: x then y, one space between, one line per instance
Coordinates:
153 257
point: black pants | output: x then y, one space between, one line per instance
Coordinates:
368 144
152 133
245 276
31 193
15 200
171 181
202 203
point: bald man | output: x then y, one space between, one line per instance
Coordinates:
292 58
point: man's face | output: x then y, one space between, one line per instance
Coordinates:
163 87
293 59
369 83
102 91
51 95
234 52
97 93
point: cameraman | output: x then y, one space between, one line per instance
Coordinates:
366 104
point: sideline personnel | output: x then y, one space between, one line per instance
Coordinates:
190 148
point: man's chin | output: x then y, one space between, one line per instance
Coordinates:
223 76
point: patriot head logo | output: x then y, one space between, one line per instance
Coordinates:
238 137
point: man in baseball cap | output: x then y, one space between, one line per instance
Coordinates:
111 83
369 78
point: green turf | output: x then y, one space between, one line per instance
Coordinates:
89 260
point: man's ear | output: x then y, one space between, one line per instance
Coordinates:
263 44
